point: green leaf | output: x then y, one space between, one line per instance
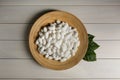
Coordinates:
93 45
90 37
90 54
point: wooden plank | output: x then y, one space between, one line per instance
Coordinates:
104 31
19 68
20 49
14 49
21 31
87 14
108 49
58 2
14 31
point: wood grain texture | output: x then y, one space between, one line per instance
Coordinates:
16 62
19 68
58 2
51 17
87 14
21 31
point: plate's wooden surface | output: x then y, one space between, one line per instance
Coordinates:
49 18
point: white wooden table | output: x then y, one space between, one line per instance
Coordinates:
100 17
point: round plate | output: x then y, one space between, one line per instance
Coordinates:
71 20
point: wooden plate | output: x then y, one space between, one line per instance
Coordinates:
49 18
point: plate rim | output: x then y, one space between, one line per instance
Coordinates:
85 31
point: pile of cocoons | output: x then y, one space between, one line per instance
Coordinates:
58 41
